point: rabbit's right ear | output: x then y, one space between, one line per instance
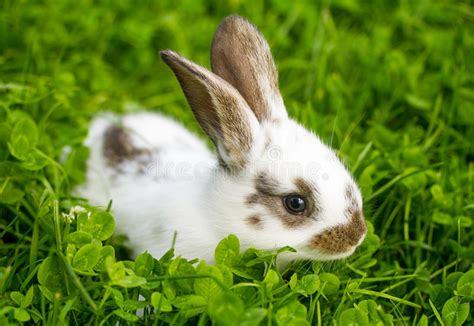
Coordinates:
218 107
241 56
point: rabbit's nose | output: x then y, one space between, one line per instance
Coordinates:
341 238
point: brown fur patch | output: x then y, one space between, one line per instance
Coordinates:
252 199
218 107
255 221
351 198
309 192
266 184
269 196
341 238
242 57
118 146
268 142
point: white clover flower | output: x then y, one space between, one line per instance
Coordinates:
73 211
77 209
69 217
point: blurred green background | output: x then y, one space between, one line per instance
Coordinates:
389 84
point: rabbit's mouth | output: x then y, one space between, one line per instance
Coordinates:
324 255
307 253
341 240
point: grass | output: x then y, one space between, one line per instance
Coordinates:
390 84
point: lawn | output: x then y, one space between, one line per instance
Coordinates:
389 84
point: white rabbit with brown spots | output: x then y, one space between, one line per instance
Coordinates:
272 182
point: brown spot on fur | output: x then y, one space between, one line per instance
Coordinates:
268 141
341 238
351 198
118 146
242 57
266 184
270 197
252 199
255 221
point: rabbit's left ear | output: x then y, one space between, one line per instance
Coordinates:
241 56
219 108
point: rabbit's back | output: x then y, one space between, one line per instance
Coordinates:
141 147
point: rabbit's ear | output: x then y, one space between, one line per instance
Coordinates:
242 57
218 107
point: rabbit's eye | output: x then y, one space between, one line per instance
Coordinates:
294 204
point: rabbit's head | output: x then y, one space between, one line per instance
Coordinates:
277 184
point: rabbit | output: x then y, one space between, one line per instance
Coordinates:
271 182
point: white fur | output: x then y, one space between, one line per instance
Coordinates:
185 191
180 187
150 207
